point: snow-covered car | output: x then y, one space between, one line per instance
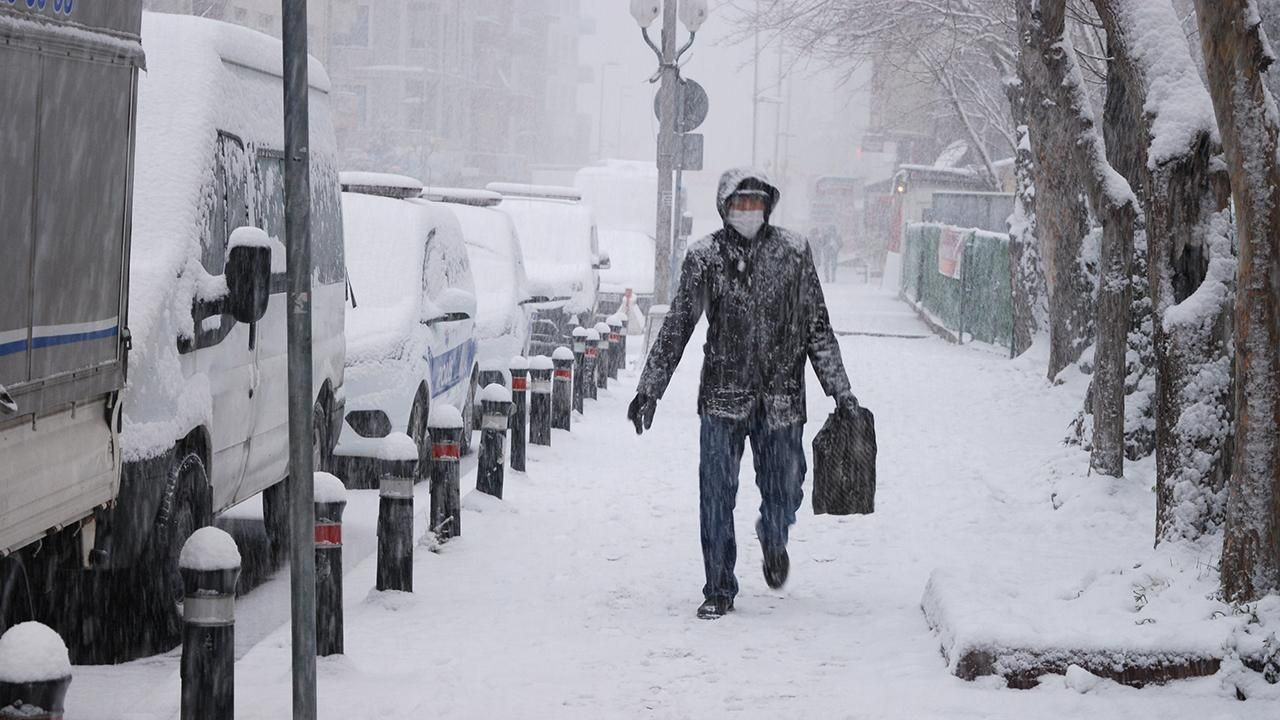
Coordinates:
561 254
411 344
504 306
205 411
630 255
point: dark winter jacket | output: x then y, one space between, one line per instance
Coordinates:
766 314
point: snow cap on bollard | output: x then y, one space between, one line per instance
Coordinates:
31 652
495 393
495 405
518 362
519 366
329 489
561 353
330 500
210 549
445 417
35 672
540 362
603 329
399 455
579 340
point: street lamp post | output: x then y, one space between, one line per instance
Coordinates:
691 13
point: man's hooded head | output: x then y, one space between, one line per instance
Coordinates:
746 180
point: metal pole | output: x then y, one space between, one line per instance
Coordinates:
666 154
297 189
755 88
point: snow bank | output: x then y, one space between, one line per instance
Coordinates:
561 353
329 489
445 416
31 652
209 549
541 362
493 392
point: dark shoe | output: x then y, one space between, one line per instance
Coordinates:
776 566
714 608
776 562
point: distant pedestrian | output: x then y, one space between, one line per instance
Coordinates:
759 288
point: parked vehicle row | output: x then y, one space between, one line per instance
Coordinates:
181 171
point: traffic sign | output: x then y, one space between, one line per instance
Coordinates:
690 157
696 105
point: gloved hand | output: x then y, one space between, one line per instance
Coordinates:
641 412
847 402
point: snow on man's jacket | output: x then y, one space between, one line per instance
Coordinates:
766 314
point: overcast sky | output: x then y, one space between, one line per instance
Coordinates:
825 116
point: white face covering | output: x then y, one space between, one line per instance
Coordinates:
746 222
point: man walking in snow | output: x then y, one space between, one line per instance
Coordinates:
759 288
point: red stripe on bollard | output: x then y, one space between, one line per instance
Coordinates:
329 534
615 337
591 352
564 374
519 383
445 451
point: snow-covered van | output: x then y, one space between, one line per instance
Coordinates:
504 306
205 410
411 343
562 257
67 103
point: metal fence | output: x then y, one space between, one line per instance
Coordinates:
959 279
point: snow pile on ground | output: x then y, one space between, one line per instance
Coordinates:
31 652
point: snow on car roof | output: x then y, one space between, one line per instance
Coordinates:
376 183
545 192
462 196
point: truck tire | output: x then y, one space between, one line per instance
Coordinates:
184 509
275 499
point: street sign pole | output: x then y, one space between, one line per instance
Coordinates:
297 189
666 154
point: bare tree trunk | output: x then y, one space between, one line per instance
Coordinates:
1115 206
1184 199
1026 271
1236 58
1062 213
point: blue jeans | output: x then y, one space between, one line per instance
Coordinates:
780 469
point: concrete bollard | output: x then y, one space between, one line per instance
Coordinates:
623 351
210 565
37 690
395 514
603 356
495 409
616 359
519 422
562 389
579 365
590 365
330 500
540 368
445 427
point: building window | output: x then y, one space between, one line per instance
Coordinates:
355 33
417 21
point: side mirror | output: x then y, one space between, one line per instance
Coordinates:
602 262
248 273
453 305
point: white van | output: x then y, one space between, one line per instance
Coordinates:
411 342
205 409
562 257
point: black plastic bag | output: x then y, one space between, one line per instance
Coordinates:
844 464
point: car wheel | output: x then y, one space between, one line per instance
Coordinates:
418 430
320 454
468 416
15 594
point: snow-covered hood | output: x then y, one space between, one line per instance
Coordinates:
732 179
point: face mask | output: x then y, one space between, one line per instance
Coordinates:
747 222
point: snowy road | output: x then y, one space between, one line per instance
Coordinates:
575 597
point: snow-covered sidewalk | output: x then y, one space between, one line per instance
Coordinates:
574 597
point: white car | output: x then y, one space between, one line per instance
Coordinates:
504 306
630 269
561 254
411 343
